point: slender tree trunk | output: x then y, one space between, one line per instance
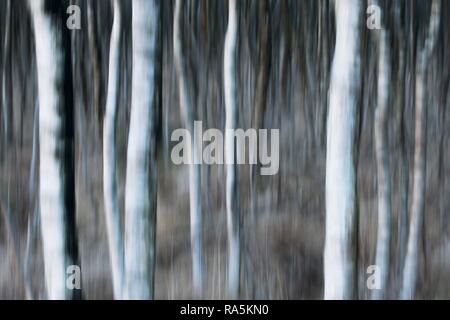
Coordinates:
141 175
418 201
262 86
340 237
56 136
231 114
403 177
383 168
193 154
115 240
33 205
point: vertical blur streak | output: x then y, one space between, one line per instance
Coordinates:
141 172
418 202
6 68
340 244
261 92
113 224
232 202
383 170
194 153
56 131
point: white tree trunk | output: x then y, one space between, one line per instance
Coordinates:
232 201
340 237
56 134
141 175
194 154
383 169
115 241
418 201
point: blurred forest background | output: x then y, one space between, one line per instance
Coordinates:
284 57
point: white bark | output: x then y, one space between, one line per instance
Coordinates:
418 201
232 204
56 154
141 188
194 155
115 241
383 170
340 246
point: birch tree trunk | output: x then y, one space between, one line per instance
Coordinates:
340 235
231 117
383 169
194 154
141 175
56 136
115 241
420 150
